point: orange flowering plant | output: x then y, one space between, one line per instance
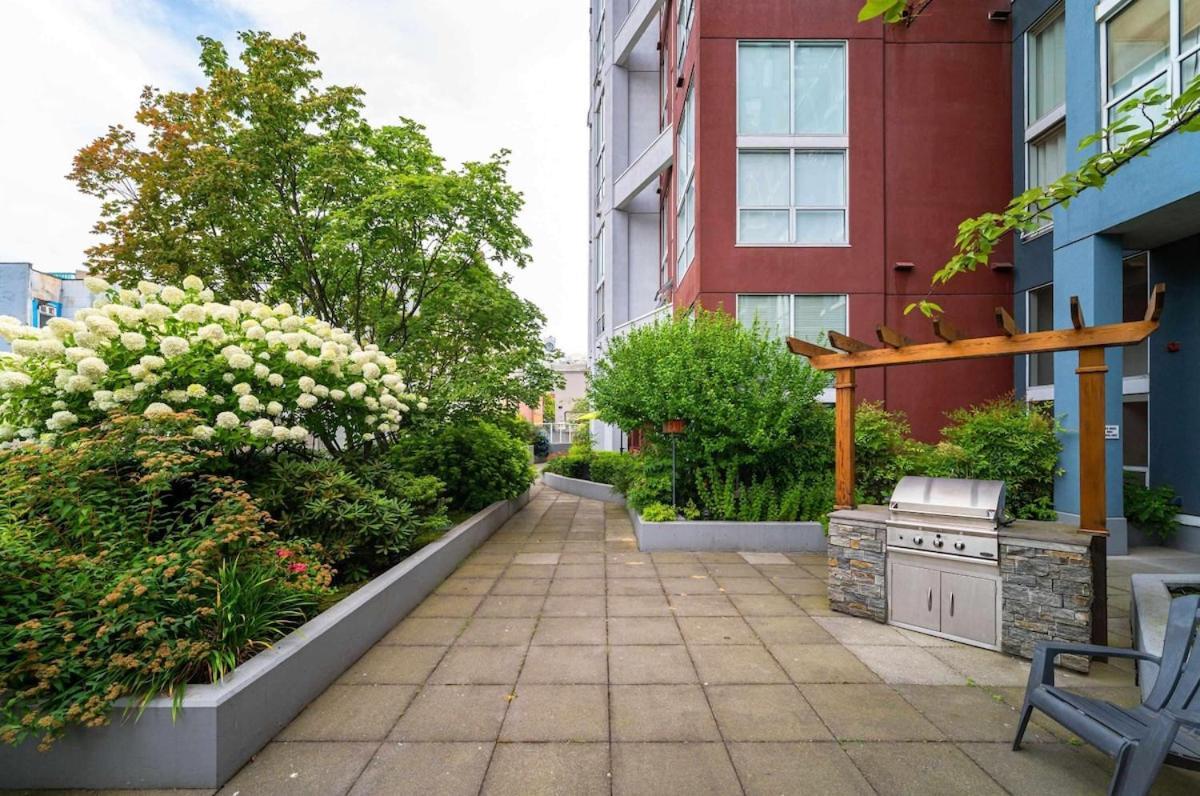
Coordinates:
132 564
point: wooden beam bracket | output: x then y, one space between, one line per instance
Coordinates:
945 330
1006 322
846 343
807 349
1077 319
1158 298
891 338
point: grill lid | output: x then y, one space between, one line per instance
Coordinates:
961 498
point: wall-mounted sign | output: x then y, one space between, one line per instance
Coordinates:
1112 432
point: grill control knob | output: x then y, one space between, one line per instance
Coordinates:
938 543
918 540
960 546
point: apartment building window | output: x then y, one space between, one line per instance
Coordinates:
805 316
598 45
685 188
683 29
1147 44
1039 317
601 272
791 159
599 144
1045 102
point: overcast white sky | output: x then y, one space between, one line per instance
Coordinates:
480 74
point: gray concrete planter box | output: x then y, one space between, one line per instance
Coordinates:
1150 601
593 490
781 537
221 726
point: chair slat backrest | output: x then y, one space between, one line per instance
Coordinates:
1179 671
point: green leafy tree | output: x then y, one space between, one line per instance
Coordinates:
270 185
1142 121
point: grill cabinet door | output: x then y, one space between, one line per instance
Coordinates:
914 595
969 607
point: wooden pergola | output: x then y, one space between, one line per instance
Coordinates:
1089 341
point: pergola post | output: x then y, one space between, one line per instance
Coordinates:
844 438
1093 475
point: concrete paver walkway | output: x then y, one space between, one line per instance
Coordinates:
559 659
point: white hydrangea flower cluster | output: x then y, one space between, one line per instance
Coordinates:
252 373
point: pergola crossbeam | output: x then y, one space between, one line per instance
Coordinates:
891 338
1006 322
843 342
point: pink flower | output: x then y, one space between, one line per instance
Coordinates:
299 566
283 552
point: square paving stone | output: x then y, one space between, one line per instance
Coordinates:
903 768
716 630
454 713
821 663
643 630
527 586
579 571
852 630
647 664
576 768
426 631
570 630
529 571
969 713
302 768
573 605
769 769
686 569
984 666
764 713
565 665
475 570
479 666
746 585
588 586
455 585
511 605
638 605
535 558
452 769
702 605
635 587
765 605
789 630
814 605
802 587
765 558
489 631
1038 768
907 665
583 558
672 557
389 665
694 584
452 605
630 569
732 567
661 713
868 713
557 713
350 713
672 769
736 664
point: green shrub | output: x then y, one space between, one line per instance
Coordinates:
659 512
1009 441
541 446
117 577
881 445
616 469
1152 509
365 526
747 402
478 462
570 466
724 495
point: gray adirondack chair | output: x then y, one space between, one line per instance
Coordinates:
1164 728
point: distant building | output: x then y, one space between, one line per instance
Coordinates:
34 297
574 373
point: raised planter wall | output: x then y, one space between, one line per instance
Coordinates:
593 490
221 726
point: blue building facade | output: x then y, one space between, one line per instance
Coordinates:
1074 61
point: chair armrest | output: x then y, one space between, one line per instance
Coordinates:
1189 717
1041 672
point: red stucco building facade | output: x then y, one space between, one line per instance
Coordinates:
924 142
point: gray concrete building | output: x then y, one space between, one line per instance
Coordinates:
34 297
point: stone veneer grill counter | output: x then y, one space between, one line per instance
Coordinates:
1045 573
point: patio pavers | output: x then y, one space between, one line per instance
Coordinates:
560 659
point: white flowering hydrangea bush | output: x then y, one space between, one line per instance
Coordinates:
252 374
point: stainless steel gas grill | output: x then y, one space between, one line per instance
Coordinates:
943 554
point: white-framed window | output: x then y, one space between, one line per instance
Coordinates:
598 44
1135 292
1045 102
807 316
1146 44
792 186
1135 436
1039 368
601 273
684 11
599 144
685 187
